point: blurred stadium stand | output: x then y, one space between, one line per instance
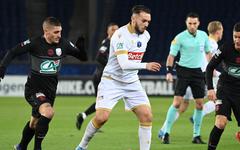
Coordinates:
21 19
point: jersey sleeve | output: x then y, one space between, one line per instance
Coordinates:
207 44
19 49
120 47
77 52
216 59
175 46
103 52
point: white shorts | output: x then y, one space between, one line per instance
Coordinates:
111 91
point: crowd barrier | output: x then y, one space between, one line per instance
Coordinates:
13 85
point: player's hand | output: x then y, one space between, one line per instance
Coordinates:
2 72
80 43
153 66
169 77
211 95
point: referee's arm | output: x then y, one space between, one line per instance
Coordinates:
169 67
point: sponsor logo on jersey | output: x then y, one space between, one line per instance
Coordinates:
119 45
135 55
234 71
49 66
59 51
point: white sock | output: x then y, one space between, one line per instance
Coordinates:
208 107
145 135
84 116
89 133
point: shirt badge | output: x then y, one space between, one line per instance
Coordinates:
59 51
139 44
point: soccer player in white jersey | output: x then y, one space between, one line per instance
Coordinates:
215 31
120 79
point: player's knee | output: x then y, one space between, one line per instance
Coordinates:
177 101
221 122
32 124
46 110
199 105
48 113
182 110
101 118
146 117
99 121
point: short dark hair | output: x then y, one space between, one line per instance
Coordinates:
140 8
52 21
236 27
192 15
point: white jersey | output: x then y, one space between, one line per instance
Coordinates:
213 48
125 55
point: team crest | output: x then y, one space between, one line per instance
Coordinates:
139 44
59 51
50 52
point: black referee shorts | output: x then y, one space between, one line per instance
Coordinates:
193 77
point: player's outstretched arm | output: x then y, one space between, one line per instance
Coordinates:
19 49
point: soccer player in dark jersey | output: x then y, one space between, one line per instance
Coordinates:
46 54
227 97
101 58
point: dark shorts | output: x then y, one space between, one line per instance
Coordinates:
194 78
226 103
35 100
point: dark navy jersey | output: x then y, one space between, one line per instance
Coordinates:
102 57
229 58
45 61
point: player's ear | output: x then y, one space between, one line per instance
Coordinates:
133 18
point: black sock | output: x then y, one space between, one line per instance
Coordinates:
27 135
90 109
41 131
214 138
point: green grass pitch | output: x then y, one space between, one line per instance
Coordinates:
119 133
